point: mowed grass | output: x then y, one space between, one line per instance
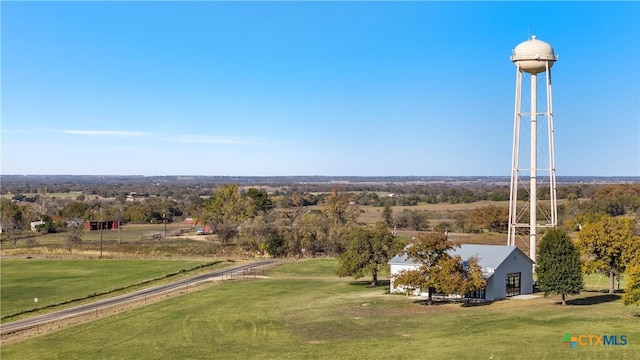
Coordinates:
304 312
55 281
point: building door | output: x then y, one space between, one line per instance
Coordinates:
513 284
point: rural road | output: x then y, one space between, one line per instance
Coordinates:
25 324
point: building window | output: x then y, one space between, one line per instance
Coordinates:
513 284
481 294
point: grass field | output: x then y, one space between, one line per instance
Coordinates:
56 281
304 312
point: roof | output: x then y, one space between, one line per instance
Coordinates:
489 256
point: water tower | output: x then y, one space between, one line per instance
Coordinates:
532 58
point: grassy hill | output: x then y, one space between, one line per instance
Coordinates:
303 311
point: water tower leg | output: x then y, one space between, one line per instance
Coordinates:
534 169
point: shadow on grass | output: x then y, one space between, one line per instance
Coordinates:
367 283
478 303
434 302
594 300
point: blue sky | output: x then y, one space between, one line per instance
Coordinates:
309 88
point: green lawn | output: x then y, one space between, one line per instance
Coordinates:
304 312
55 281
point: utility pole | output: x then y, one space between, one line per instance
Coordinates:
100 239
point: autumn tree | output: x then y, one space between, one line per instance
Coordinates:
368 251
558 267
410 280
474 279
431 251
338 209
413 219
294 207
491 217
632 291
606 245
226 210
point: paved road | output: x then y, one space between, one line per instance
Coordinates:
24 324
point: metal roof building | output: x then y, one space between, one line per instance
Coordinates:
507 269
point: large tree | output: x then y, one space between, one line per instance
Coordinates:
558 268
432 252
491 217
261 200
226 210
12 220
606 245
632 290
368 251
338 208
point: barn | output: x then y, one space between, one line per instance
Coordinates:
508 271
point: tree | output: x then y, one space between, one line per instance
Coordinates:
387 215
413 219
368 251
261 201
632 291
606 244
226 210
12 219
431 250
491 217
74 236
474 278
75 209
338 209
559 269
294 207
410 280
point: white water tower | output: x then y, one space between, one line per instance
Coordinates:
531 58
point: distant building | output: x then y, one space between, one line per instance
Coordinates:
35 224
101 225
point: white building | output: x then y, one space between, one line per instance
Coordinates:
35 224
507 269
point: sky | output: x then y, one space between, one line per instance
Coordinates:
312 88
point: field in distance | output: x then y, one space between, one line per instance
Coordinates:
304 311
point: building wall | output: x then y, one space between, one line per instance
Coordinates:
515 263
395 269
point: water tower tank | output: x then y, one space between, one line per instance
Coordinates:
532 55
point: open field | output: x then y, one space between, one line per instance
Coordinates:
127 233
303 311
437 213
59 281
